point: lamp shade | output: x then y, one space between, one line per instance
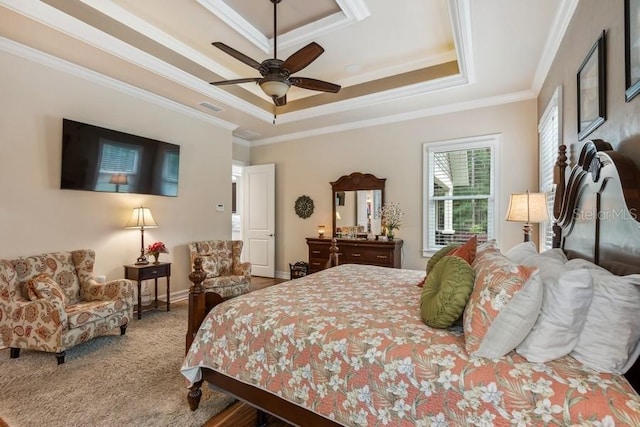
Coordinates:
528 207
275 88
119 179
141 218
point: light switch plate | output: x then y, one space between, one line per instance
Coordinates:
220 207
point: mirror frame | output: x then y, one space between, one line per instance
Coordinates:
354 182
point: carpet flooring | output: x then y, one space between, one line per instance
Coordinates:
130 380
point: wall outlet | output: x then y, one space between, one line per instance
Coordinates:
101 279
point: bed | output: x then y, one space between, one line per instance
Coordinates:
347 346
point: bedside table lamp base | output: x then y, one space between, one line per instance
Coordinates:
526 229
140 218
142 259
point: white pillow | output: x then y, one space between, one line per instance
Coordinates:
566 299
543 262
520 251
610 336
555 253
616 299
576 263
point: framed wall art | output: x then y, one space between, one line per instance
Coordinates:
631 48
592 93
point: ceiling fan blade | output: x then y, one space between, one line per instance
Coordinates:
232 82
280 101
313 84
303 57
238 55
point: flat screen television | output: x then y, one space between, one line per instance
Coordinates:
99 159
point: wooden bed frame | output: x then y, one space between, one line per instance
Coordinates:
596 210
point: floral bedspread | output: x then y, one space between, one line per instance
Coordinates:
348 343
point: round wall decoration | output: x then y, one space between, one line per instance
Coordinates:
304 206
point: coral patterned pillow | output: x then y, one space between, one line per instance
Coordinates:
467 251
43 286
503 306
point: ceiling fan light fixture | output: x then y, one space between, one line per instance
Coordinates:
275 88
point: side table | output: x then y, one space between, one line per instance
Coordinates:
146 272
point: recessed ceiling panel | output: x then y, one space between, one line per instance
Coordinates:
292 14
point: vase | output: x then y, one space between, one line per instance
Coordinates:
155 258
390 234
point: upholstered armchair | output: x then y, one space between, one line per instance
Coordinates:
225 274
51 302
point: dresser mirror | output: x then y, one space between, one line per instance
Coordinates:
357 202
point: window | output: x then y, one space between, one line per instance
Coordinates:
459 191
119 166
550 137
171 161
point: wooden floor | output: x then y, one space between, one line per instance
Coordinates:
240 414
264 282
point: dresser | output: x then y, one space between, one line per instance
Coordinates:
355 251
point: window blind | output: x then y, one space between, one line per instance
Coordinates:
549 130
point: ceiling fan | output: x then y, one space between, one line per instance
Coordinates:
276 74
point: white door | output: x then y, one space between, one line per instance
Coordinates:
259 183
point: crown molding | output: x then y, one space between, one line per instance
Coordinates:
352 11
460 13
87 34
235 21
55 63
374 98
551 46
240 141
396 118
108 8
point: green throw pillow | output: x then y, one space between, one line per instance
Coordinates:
439 255
446 292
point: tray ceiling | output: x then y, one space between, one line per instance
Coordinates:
394 60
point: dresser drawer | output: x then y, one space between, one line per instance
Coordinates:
352 251
316 264
367 255
148 272
319 251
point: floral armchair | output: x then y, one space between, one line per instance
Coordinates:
51 302
226 275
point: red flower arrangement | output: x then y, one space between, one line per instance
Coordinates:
156 249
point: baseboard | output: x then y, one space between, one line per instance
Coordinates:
286 275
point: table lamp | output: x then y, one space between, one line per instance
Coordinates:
141 218
118 179
528 208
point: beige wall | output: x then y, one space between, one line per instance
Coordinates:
241 150
622 127
37 217
394 152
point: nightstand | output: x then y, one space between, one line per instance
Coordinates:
146 272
